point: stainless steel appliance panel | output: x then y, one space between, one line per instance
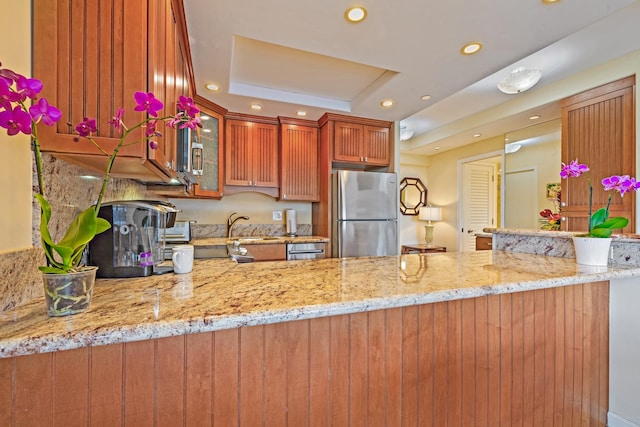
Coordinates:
305 251
366 238
365 214
365 195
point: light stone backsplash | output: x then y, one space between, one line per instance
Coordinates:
203 231
69 189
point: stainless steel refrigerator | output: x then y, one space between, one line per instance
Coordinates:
365 214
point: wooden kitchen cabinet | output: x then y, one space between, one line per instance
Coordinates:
268 252
299 160
598 129
211 135
361 144
251 155
92 57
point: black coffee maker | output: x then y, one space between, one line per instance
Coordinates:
134 245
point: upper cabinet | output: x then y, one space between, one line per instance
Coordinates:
361 144
598 129
251 155
299 160
356 142
211 136
92 57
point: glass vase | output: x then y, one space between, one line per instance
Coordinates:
69 293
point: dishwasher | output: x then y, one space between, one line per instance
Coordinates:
305 251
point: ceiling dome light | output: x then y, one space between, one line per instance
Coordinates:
534 117
387 103
256 107
425 97
405 133
471 48
512 148
355 14
477 135
212 87
302 113
519 80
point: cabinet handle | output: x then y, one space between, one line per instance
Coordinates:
250 184
563 204
366 159
284 196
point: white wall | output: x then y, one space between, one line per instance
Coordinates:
410 229
442 175
15 151
624 352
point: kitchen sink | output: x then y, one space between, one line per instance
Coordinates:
213 251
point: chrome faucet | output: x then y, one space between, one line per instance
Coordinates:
232 221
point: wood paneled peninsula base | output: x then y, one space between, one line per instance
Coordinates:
508 337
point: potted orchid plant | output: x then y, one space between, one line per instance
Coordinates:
601 226
22 111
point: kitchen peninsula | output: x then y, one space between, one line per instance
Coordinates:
421 338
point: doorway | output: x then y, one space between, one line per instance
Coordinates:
480 197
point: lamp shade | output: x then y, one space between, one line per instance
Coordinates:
429 213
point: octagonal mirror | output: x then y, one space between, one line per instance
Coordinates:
413 194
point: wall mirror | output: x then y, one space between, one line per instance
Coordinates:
413 194
531 174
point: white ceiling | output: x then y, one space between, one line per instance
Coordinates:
291 55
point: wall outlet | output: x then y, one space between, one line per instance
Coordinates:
277 215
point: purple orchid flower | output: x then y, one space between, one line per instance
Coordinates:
86 127
573 169
45 112
116 121
7 96
151 129
188 106
153 145
15 121
148 102
620 183
28 88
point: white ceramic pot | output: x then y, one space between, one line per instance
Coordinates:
592 250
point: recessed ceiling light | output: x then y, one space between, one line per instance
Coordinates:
534 117
550 1
256 107
471 48
212 87
355 14
206 130
204 117
477 135
436 147
387 103
302 113
425 97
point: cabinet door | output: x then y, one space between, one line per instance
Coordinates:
264 155
211 136
348 139
299 169
238 153
376 145
90 65
598 130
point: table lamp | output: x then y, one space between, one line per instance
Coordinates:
429 213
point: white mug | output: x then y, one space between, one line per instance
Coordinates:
182 257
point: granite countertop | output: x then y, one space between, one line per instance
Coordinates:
257 240
220 294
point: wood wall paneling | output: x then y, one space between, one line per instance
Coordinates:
523 359
598 129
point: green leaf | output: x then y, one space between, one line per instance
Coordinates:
598 218
601 232
52 270
81 231
614 223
